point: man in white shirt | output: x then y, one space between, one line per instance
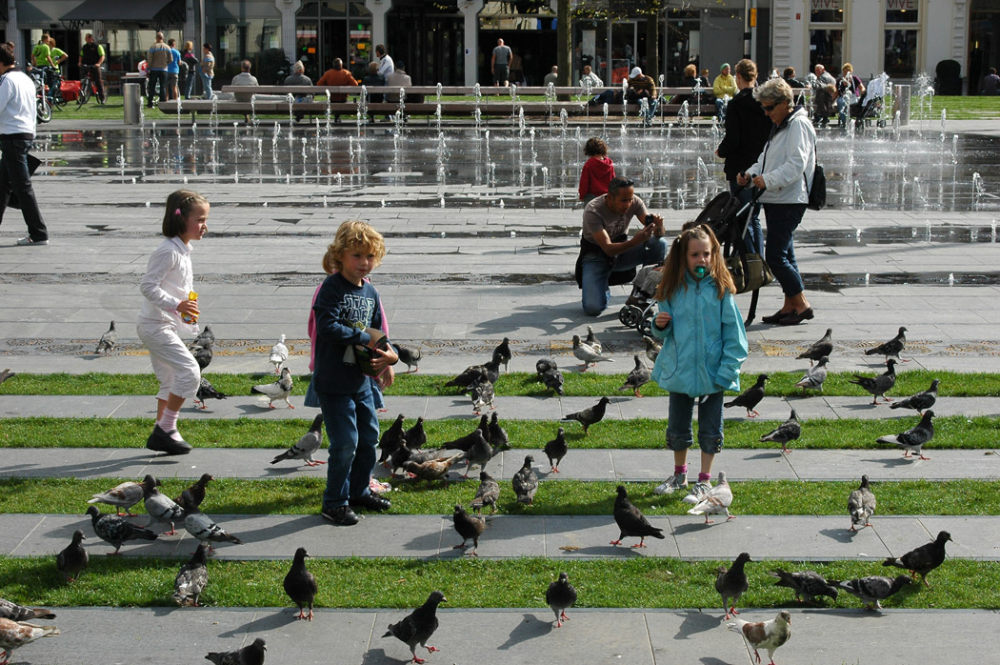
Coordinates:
385 64
244 77
17 132
589 75
552 77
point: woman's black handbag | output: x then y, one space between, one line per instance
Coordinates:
817 194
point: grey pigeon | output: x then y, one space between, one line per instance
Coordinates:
251 654
279 390
116 530
525 482
468 526
470 375
892 348
874 589
556 449
497 435
652 347
464 443
14 634
785 432
878 386
913 439
206 337
278 355
544 365
408 356
194 494
553 380
487 494
434 469
587 354
732 582
591 415
480 452
73 559
631 522
716 500
637 378
124 495
921 401
807 584
207 391
922 560
108 341
300 585
751 397
307 445
561 596
861 505
502 354
814 377
391 439
160 507
591 340
767 635
191 578
204 528
818 349
415 436
202 354
15 612
399 457
482 395
7 374
418 626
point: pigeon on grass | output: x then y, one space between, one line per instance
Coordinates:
715 501
814 377
415 436
892 348
590 415
468 526
192 578
819 348
587 354
785 432
765 634
921 401
631 522
543 365
160 507
637 378
435 469
116 530
808 585
496 434
553 380
487 493
121 496
307 445
108 341
391 439
207 391
278 355
556 449
279 390
878 386
195 493
73 559
751 397
560 596
872 590
418 626
251 654
300 585
525 482
922 559
15 612
479 453
913 439
732 582
14 634
861 505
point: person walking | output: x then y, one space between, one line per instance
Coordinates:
193 68
91 59
207 70
500 64
158 56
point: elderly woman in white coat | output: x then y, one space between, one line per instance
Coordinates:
785 171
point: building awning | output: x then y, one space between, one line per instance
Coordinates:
155 12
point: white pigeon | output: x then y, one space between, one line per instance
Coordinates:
279 390
715 501
279 354
814 376
160 507
652 348
587 354
307 445
765 634
125 496
108 341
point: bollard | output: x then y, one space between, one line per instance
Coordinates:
132 97
901 103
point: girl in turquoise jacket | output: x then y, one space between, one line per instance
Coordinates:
704 345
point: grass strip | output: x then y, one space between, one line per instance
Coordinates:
950 432
780 384
392 583
301 496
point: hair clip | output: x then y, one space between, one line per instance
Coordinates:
177 211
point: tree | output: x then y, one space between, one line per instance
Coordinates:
564 43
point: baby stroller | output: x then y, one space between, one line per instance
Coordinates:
639 309
870 108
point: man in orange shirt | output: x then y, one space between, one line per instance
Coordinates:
337 75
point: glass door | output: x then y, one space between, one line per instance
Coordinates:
623 50
683 45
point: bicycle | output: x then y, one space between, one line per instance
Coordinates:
87 88
53 79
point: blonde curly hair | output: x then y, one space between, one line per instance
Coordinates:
353 234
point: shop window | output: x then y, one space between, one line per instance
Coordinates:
826 34
901 38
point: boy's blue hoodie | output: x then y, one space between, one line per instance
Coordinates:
343 311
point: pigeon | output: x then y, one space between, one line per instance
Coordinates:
561 596
391 439
470 375
191 579
280 389
307 445
553 380
892 348
525 482
15 612
861 505
435 469
480 452
921 401
716 500
818 349
251 654
815 376
879 385
806 584
160 507
731 583
108 341
497 435
923 559
7 374
765 634
913 439
195 494
464 443
652 347
300 585
482 394
415 436
202 354
278 355
785 432
750 397
591 415
205 338
73 559
556 449
115 530
204 528
502 355
14 635
637 378
125 496
207 391
631 522
399 457
409 357
594 343
487 493
544 365
587 354
468 526
417 627
871 590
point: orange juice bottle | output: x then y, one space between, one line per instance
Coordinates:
190 318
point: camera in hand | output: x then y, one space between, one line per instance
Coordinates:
648 220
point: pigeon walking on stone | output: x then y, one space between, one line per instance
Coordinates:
561 596
487 494
732 582
125 496
819 348
592 341
194 494
160 507
591 415
653 347
525 482
207 391
14 634
116 530
206 337
108 341
468 526
765 634
409 357
631 522
482 395
921 401
307 445
913 439
278 355
715 501
204 528
785 432
251 654
874 589
637 378
751 397
587 354
463 443
15 612
861 505
878 386
814 377
435 469
807 584
553 380
892 348
73 559
391 439
922 559
279 390
300 585
556 449
418 627
479 453
192 578
415 436
202 354
502 355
